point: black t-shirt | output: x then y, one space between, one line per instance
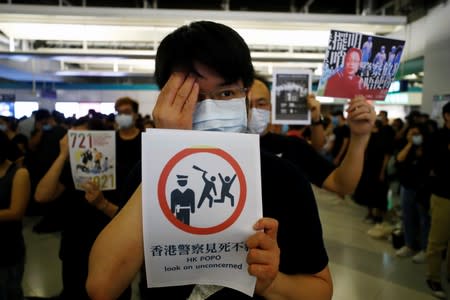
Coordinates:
388 136
20 139
12 247
440 156
340 133
377 148
315 168
128 153
413 172
287 197
13 152
82 222
370 190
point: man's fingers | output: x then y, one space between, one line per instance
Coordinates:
258 256
262 241
262 272
170 89
183 93
269 225
358 108
189 104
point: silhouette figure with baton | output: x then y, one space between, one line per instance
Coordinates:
209 185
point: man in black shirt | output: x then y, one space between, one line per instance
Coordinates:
342 179
206 60
128 136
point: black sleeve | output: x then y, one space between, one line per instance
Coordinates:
66 178
314 166
288 197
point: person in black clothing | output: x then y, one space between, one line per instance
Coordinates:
87 212
43 150
439 236
19 142
14 196
341 140
372 187
193 61
342 179
413 169
128 136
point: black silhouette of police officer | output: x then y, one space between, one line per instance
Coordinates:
182 204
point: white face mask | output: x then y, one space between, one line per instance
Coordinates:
259 120
417 140
220 115
124 121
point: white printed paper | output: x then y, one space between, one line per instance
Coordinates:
93 157
201 195
289 91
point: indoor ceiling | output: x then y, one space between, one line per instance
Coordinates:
65 40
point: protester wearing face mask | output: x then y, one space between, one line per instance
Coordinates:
88 211
193 63
413 168
128 137
223 109
43 150
259 117
342 179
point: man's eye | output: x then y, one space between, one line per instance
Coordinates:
263 103
226 93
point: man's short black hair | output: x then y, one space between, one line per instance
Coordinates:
42 114
127 101
212 44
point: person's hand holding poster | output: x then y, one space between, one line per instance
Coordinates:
359 64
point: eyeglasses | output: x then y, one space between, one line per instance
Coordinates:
224 93
124 112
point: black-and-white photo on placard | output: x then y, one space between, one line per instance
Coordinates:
289 91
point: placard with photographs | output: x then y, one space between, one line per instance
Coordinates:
359 64
290 88
93 158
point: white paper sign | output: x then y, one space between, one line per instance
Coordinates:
289 90
93 157
201 195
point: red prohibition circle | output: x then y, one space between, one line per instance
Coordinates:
163 203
